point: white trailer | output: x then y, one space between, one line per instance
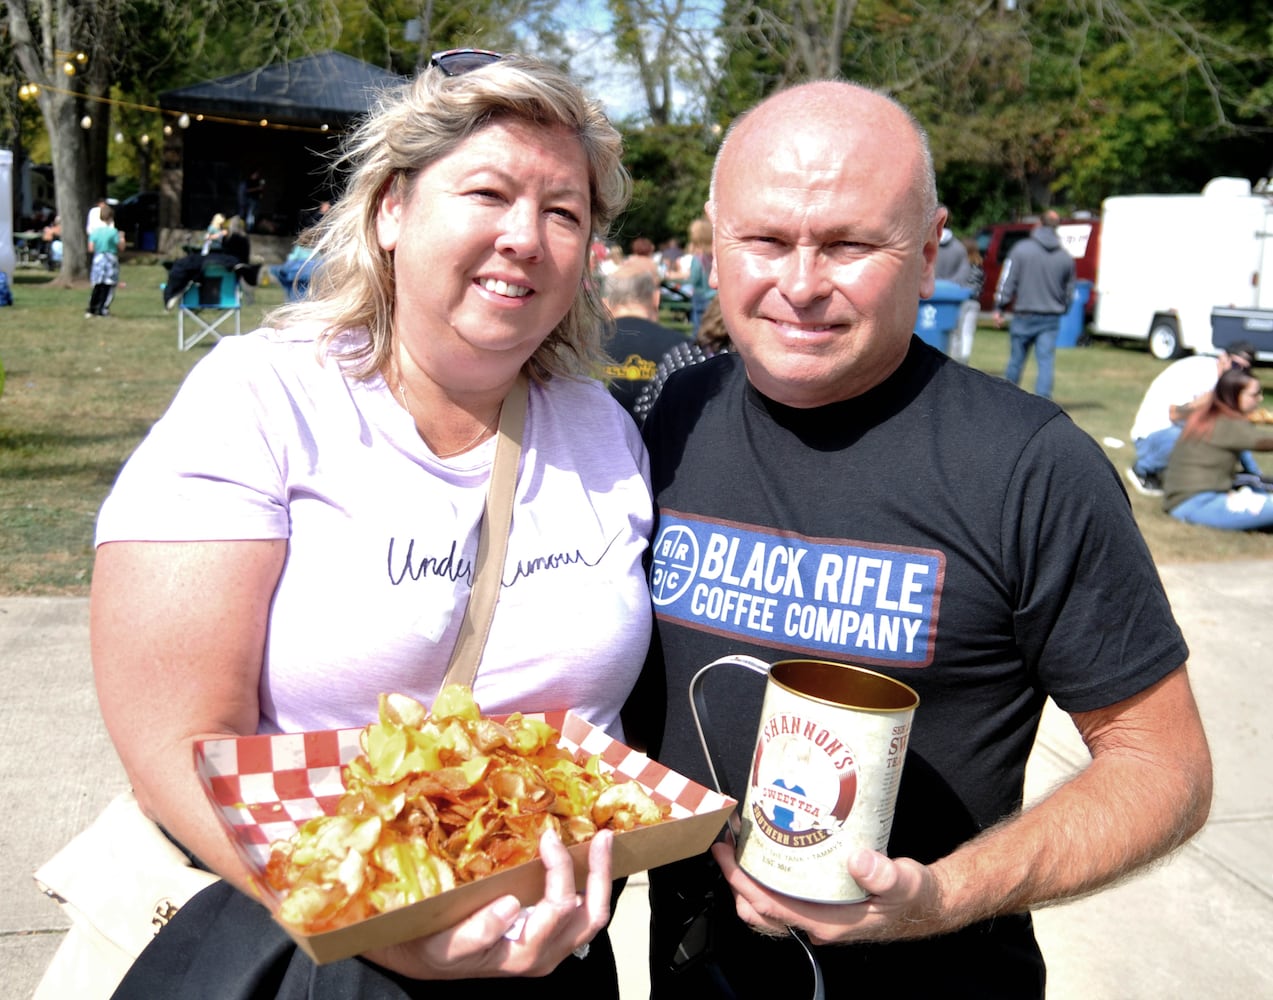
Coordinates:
1173 266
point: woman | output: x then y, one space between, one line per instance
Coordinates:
214 234
296 535
105 243
1198 482
712 339
700 254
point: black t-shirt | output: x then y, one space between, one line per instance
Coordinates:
945 529
636 347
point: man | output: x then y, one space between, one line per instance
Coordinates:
1173 393
952 258
1038 281
838 489
638 340
954 265
94 220
251 190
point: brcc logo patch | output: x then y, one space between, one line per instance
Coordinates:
868 602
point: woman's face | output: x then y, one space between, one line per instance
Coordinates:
1250 397
489 245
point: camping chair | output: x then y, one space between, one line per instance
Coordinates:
216 290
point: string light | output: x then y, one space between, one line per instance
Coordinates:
77 61
29 91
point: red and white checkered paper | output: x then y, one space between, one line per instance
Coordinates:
266 786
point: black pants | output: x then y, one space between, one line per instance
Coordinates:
99 302
222 945
184 272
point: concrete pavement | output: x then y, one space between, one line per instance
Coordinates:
1196 925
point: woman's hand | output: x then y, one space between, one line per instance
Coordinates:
558 924
904 899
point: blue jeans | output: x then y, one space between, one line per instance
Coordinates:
1038 330
1153 450
1237 510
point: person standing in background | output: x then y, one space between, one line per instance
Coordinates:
955 263
638 340
105 243
251 189
712 339
93 220
1038 282
94 217
700 270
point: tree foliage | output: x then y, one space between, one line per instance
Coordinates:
1054 102
1029 104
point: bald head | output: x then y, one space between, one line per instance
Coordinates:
632 289
825 233
876 125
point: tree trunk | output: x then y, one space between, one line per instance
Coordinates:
71 181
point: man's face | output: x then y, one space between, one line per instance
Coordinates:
821 254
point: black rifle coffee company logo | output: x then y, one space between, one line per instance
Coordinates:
843 599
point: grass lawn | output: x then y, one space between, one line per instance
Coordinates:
81 393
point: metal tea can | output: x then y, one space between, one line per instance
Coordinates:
824 776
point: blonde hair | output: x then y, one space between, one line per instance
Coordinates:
700 236
411 127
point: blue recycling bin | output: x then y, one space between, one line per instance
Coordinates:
1071 330
939 313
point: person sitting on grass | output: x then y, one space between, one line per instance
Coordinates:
1199 483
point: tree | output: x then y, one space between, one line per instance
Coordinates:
1048 101
43 40
671 167
668 47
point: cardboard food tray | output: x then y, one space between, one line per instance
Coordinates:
264 787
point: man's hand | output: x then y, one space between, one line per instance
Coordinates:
904 902
998 318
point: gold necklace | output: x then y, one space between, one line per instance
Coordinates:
483 430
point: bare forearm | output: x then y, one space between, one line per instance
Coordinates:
181 807
1122 812
177 635
1147 790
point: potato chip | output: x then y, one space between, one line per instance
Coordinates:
435 800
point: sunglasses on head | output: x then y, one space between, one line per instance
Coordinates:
457 62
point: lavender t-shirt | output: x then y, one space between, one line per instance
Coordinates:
264 441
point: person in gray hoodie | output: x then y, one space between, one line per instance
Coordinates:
1038 281
954 263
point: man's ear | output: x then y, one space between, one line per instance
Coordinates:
932 241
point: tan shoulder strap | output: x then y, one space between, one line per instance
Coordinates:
497 519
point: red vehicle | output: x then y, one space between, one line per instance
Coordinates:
1080 235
